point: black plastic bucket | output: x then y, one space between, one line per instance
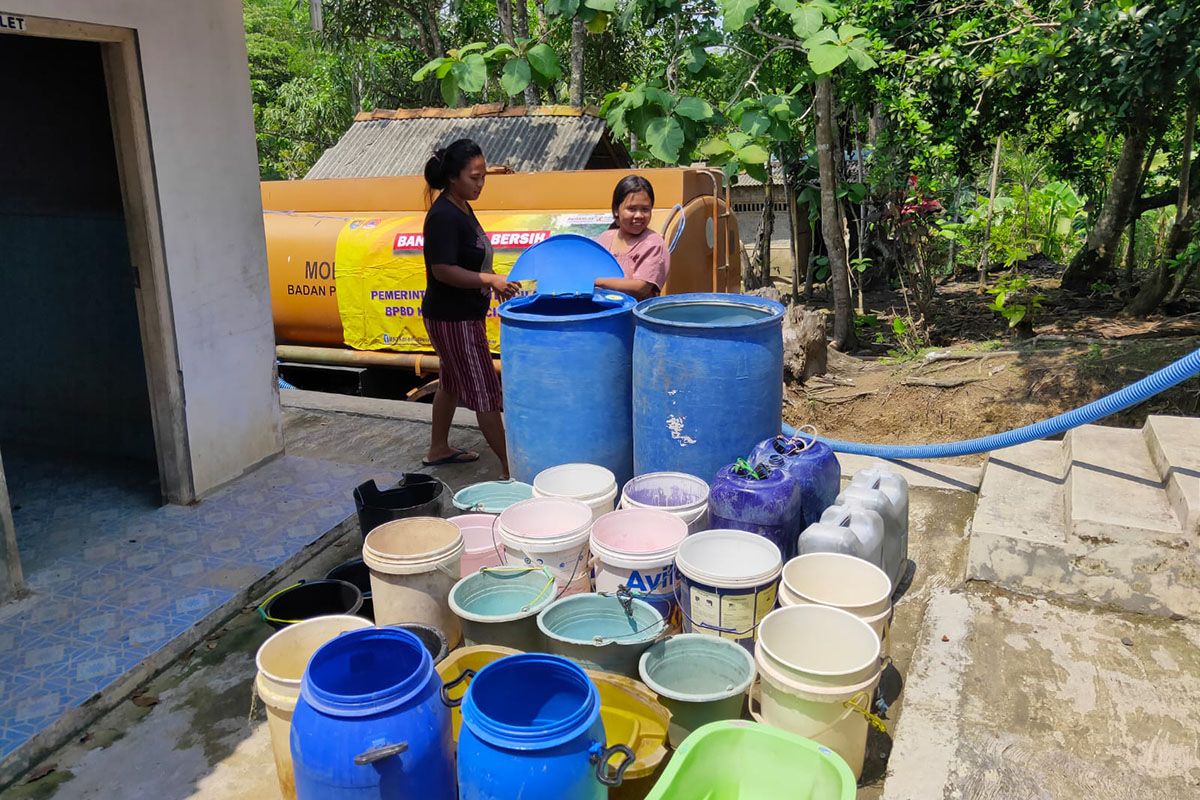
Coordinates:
416 495
356 572
433 639
309 599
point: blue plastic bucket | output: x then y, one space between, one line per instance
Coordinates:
728 583
370 722
491 497
532 729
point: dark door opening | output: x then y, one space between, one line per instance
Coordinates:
74 399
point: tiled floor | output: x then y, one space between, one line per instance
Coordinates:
116 577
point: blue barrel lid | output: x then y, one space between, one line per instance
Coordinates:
566 263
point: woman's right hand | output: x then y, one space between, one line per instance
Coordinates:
501 286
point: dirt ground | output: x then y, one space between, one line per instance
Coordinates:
972 377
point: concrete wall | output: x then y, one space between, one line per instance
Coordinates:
749 222
74 373
197 92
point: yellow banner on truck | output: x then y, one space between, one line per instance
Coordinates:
380 277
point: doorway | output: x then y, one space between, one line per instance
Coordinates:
89 399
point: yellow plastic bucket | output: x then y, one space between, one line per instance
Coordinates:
632 714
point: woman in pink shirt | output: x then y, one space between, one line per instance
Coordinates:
641 252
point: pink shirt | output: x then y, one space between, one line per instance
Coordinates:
647 259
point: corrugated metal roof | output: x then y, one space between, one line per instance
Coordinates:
382 143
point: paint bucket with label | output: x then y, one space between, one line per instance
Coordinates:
635 548
549 532
728 583
587 483
819 667
678 493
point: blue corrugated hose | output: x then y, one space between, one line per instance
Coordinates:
1170 375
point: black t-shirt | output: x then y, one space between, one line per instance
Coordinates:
453 237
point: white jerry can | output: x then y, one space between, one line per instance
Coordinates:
894 487
846 529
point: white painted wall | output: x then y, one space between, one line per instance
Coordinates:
197 89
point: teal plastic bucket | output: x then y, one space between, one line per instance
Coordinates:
499 605
491 497
601 632
699 678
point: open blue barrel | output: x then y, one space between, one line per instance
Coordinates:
566 357
707 380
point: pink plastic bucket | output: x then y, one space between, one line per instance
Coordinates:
635 547
549 532
481 549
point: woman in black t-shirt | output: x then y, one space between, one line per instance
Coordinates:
459 286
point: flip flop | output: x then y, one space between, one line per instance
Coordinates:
459 457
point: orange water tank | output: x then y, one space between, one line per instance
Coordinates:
303 220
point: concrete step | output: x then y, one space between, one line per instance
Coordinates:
1021 494
1174 445
1024 534
1114 492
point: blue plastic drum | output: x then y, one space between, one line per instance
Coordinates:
707 380
532 729
370 723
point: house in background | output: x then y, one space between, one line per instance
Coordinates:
142 492
537 139
748 201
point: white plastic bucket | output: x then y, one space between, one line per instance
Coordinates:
414 563
685 496
596 486
635 547
819 666
479 543
729 581
281 661
549 532
839 581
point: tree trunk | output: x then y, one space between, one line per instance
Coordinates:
1095 259
831 220
801 241
1160 284
521 22
805 349
578 46
315 16
766 229
505 12
810 266
986 257
1131 251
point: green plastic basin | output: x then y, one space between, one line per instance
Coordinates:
748 761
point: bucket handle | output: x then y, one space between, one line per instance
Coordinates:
467 674
601 758
860 703
718 629
262 607
380 753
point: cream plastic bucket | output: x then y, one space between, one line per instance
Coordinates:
549 532
414 563
596 486
840 581
281 661
636 547
819 667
